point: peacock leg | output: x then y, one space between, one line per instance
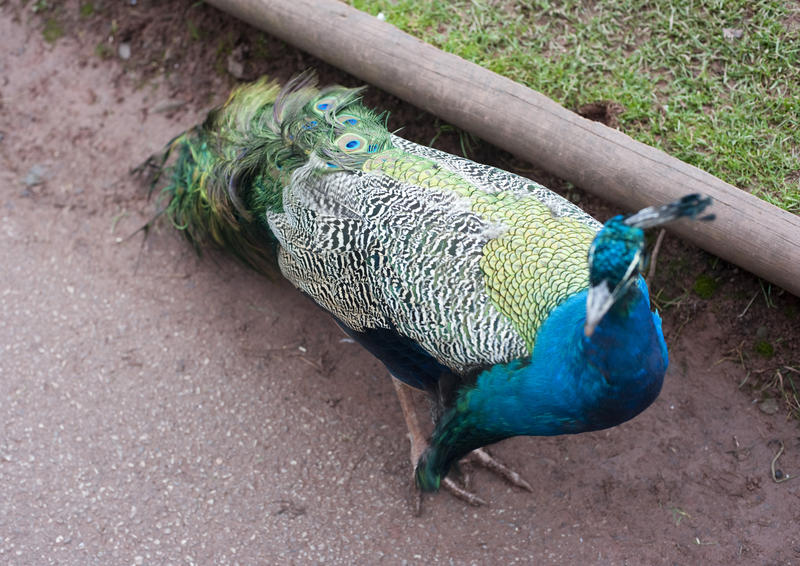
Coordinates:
415 434
419 444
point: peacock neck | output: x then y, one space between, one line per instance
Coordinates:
572 383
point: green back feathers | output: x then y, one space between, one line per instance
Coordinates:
536 264
533 263
232 169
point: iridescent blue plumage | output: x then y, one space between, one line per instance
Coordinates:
573 382
596 363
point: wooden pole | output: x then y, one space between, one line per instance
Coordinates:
748 231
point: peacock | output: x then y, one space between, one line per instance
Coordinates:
517 312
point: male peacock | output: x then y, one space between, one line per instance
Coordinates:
466 281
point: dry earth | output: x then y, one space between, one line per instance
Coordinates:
159 408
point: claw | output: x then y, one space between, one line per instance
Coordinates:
482 457
462 493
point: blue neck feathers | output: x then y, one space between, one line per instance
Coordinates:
572 383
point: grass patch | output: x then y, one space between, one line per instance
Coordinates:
705 286
40 6
224 48
194 31
712 82
764 349
87 10
103 50
52 30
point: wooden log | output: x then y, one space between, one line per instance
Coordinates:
748 231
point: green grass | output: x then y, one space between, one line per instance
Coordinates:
52 30
87 10
730 106
103 50
705 286
764 349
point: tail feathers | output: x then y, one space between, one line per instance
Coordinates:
222 177
207 205
226 174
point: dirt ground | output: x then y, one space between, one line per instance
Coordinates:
160 408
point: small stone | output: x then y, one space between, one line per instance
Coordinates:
35 176
124 51
138 560
769 406
235 68
235 62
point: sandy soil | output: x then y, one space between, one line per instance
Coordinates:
159 408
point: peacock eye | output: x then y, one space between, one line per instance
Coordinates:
324 105
351 143
347 120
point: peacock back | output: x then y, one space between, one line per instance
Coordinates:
462 262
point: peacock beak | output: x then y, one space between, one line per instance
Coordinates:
598 301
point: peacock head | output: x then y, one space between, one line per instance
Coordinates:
617 256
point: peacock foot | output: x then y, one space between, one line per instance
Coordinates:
481 457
